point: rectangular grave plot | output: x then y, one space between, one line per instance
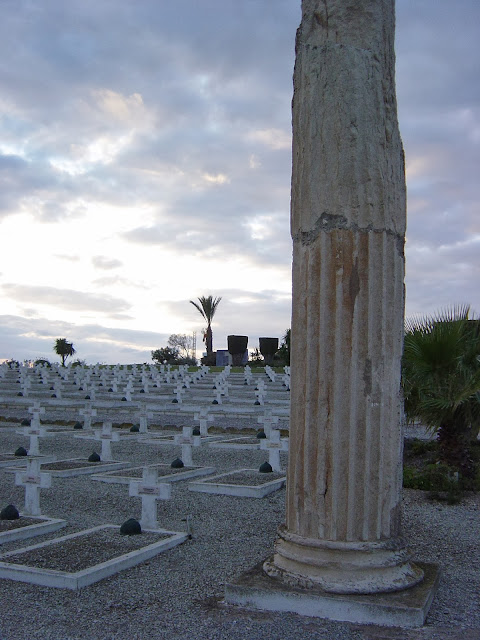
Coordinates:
243 483
80 559
237 443
165 474
28 527
77 466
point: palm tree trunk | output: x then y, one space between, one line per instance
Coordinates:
209 340
454 439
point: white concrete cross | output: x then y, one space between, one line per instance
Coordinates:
36 412
34 433
203 418
178 391
88 413
106 436
149 489
267 420
274 444
187 440
144 415
270 373
33 481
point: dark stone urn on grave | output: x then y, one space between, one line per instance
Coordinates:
268 348
237 345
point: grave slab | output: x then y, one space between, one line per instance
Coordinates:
237 443
30 526
75 580
242 483
76 467
406 608
165 473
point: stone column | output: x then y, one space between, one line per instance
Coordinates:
343 530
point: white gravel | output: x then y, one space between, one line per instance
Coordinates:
178 593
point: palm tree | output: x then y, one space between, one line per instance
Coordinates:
441 381
207 308
63 349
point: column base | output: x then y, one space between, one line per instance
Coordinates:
407 608
342 567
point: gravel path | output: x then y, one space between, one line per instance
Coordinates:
177 595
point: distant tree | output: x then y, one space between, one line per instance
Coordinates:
182 342
284 352
63 349
165 354
207 308
43 361
256 357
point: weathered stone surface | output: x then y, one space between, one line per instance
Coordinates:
343 530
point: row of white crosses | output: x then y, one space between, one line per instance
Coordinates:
270 373
260 392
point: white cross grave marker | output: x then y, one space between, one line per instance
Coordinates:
149 489
33 481
187 441
203 418
88 413
274 445
106 436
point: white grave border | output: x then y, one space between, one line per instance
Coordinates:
77 580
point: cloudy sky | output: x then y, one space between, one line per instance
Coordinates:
145 158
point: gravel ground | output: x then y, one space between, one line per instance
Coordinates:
178 594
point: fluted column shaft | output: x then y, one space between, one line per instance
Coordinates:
343 529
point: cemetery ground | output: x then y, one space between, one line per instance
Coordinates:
178 593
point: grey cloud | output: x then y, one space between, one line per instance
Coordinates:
25 338
102 262
65 298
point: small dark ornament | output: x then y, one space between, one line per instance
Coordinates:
245 382
10 512
177 464
94 457
266 467
110 390
124 399
19 393
256 402
130 527
21 451
100 384
155 386
54 395
261 435
87 397
25 422
174 401
196 431
52 388
142 390
135 428
80 388
215 402
78 425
